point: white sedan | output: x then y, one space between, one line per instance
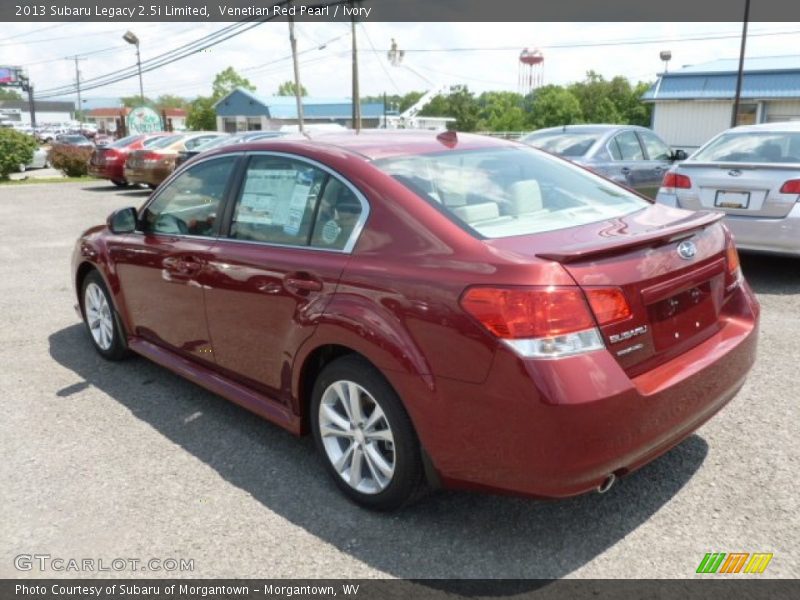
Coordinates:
39 160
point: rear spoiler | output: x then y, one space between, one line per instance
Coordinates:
680 230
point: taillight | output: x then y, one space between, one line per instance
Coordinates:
151 156
733 267
111 155
676 181
608 304
791 187
543 322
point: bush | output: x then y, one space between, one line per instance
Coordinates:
73 161
16 149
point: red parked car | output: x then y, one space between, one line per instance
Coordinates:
108 161
449 309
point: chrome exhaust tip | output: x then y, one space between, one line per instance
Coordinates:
607 484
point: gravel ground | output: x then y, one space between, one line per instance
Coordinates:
107 460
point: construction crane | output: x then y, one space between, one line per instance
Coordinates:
408 118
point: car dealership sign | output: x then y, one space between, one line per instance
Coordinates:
143 120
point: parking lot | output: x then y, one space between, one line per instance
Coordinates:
105 460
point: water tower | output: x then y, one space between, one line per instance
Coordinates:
531 70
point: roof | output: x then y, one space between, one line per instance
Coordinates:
108 112
785 126
374 144
588 128
243 102
39 105
174 112
764 77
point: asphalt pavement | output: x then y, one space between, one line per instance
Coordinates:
125 460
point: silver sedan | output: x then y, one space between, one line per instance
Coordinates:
627 154
752 174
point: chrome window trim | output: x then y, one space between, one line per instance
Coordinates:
348 247
357 228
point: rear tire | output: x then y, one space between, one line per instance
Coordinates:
152 186
120 183
364 436
101 319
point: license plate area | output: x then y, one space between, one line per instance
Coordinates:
682 316
736 200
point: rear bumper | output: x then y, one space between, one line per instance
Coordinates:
146 175
114 172
780 236
559 428
775 235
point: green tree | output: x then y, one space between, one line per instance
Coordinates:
460 104
135 101
228 80
16 149
9 94
287 88
552 106
502 111
201 115
171 101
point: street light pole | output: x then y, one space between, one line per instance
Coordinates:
131 38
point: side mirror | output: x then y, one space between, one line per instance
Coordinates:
679 155
122 220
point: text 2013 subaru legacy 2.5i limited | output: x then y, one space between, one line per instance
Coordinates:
434 309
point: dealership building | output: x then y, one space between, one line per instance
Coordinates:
694 103
242 110
18 112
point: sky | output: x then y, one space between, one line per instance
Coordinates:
489 63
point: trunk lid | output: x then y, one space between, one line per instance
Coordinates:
738 189
675 298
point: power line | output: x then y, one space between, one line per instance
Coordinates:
174 55
617 42
158 61
380 60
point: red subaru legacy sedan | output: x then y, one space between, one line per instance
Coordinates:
434 309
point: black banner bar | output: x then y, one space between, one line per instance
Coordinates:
733 587
397 10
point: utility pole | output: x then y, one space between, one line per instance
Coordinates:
79 112
297 88
27 86
740 75
356 94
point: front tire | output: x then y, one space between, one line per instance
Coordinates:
364 435
120 183
102 321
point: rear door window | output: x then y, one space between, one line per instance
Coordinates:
656 149
628 146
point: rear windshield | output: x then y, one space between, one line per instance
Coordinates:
165 141
511 191
563 143
126 141
215 143
757 147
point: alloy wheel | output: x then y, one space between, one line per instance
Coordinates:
357 437
98 316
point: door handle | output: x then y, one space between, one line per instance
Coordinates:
625 170
189 265
300 283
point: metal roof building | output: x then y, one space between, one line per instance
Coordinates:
242 110
695 102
